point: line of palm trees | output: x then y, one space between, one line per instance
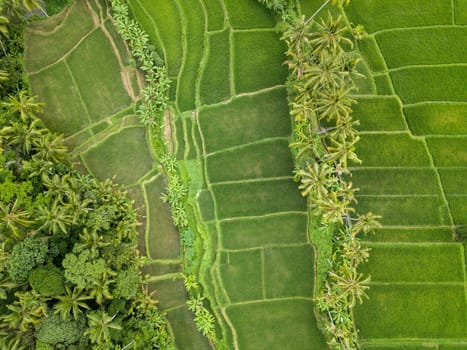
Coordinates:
322 68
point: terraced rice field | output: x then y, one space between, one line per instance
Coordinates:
81 69
231 137
413 146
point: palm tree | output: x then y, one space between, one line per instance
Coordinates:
327 72
332 209
316 179
23 104
342 151
24 134
92 240
50 147
350 284
334 102
25 312
71 303
55 218
366 223
100 323
329 36
12 218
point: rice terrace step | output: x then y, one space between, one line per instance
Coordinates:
252 254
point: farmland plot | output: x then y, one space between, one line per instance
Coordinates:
413 148
82 70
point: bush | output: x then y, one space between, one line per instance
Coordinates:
54 330
127 284
24 257
48 280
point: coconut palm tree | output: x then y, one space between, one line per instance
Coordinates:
54 218
100 324
72 302
350 284
23 134
330 36
316 179
50 148
23 104
13 218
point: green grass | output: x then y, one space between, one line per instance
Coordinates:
166 15
257 198
263 160
215 78
63 112
248 14
159 268
256 232
383 84
288 272
258 60
206 205
396 150
286 325
369 48
377 15
437 118
419 84
378 114
423 46
405 210
124 155
95 69
246 119
453 347
162 236
184 329
426 234
453 180
194 17
170 293
45 47
415 263
241 275
395 181
458 205
215 14
401 347
448 152
460 9
412 311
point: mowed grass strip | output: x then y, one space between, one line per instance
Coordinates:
42 49
448 151
289 272
162 236
248 14
257 232
241 274
124 155
184 329
397 211
423 234
412 311
287 325
245 119
415 263
391 150
215 75
437 119
377 15
378 114
215 14
395 181
258 60
435 83
97 73
167 16
261 160
423 46
194 38
257 198
64 111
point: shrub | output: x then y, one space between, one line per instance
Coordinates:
127 284
24 257
48 280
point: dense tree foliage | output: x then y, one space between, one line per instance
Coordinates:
69 266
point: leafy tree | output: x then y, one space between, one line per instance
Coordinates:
55 331
127 284
25 256
84 270
48 280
